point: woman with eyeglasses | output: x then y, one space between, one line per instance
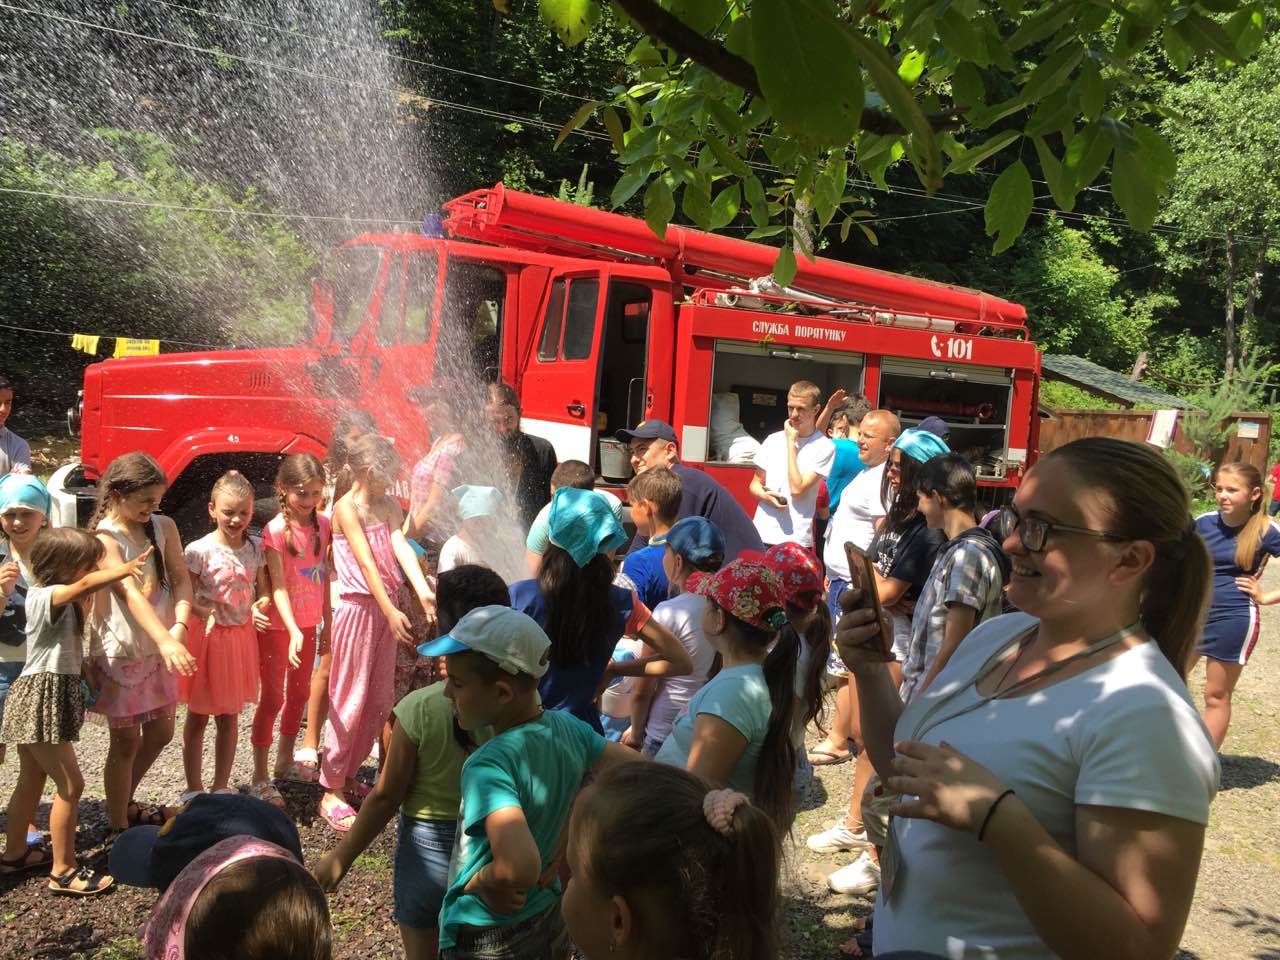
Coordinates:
1055 777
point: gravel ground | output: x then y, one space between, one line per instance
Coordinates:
1236 913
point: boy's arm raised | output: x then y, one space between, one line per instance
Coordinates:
504 883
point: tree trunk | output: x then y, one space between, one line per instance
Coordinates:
1248 327
1230 365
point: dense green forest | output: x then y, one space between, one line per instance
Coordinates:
174 172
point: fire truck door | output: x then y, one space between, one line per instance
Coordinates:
558 390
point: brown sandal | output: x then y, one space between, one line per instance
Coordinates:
25 864
81 882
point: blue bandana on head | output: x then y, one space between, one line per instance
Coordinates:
24 490
921 445
582 524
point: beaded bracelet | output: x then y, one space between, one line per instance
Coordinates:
990 812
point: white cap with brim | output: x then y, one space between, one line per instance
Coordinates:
509 638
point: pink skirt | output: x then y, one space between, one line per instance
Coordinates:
226 677
132 692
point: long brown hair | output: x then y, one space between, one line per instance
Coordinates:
297 470
262 908
374 452
336 456
1249 539
1148 501
126 474
641 834
579 605
61 555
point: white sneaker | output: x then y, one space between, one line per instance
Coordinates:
860 877
838 838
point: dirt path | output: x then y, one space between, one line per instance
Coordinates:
1236 912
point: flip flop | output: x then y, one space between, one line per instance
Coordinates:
833 758
146 814
25 864
340 816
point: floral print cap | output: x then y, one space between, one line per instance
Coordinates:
800 572
748 589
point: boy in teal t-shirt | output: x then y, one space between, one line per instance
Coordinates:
517 789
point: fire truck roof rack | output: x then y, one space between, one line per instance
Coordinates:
705 260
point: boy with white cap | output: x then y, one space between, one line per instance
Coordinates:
517 789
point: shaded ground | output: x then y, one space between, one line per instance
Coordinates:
1236 912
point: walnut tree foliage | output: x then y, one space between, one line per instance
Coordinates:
774 108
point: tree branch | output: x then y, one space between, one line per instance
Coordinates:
669 30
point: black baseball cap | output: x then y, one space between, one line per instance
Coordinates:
150 856
937 426
648 430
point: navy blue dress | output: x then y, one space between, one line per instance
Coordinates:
1231 630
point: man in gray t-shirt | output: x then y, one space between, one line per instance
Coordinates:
15 455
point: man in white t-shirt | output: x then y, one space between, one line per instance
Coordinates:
789 466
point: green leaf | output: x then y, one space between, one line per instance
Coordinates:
1157 155
1086 155
629 183
1090 90
753 191
572 20
1247 28
1050 166
1043 24
696 204
642 142
1009 205
813 87
725 207
1119 133
1206 36
1054 112
701 15
959 36
659 205
901 102
1133 190
1052 72
967 88
728 159
784 268
574 122
613 123
869 234
759 233
845 228
975 155
911 67
1133 35
1176 49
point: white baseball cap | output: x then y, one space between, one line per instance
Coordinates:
509 638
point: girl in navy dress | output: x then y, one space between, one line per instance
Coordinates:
1241 538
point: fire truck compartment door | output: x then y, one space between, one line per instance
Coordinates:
558 390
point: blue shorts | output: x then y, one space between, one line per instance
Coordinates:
1231 638
9 672
423 848
835 666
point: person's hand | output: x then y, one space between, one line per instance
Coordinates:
296 640
136 567
789 432
775 499
9 574
861 641
329 872
1251 587
428 602
503 899
941 784
837 398
177 658
401 628
633 739
261 621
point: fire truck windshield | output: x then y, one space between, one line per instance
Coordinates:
353 271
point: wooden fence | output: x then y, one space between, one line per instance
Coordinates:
1249 441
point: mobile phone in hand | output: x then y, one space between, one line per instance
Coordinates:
862 572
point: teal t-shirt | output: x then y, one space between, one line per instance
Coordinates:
537 766
738 696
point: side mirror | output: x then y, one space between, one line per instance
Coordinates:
321 312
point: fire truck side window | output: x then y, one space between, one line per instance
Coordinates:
549 345
419 297
355 273
392 303
580 319
471 320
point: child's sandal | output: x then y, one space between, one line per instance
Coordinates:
34 859
340 816
269 793
81 882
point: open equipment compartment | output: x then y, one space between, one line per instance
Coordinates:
974 401
749 390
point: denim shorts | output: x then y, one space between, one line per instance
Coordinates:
9 672
422 870
835 666
541 937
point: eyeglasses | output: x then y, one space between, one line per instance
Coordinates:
1033 532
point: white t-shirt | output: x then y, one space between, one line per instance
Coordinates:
682 615
55 638
1121 734
456 552
794 522
854 520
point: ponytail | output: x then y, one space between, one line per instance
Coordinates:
774 787
815 634
1149 502
1249 539
641 833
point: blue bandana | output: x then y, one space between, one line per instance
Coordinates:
24 490
921 445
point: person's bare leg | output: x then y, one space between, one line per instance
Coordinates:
23 804
284 757
117 773
156 735
226 736
1220 681
419 944
837 739
193 750
58 760
318 704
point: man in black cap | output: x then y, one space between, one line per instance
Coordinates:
653 444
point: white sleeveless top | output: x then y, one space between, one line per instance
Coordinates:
115 633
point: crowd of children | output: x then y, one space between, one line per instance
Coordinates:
583 749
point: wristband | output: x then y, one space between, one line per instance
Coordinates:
991 812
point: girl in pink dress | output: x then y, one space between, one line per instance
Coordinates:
229 573
371 556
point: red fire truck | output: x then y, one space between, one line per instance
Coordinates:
598 323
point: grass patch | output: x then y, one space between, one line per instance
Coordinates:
121 948
373 863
